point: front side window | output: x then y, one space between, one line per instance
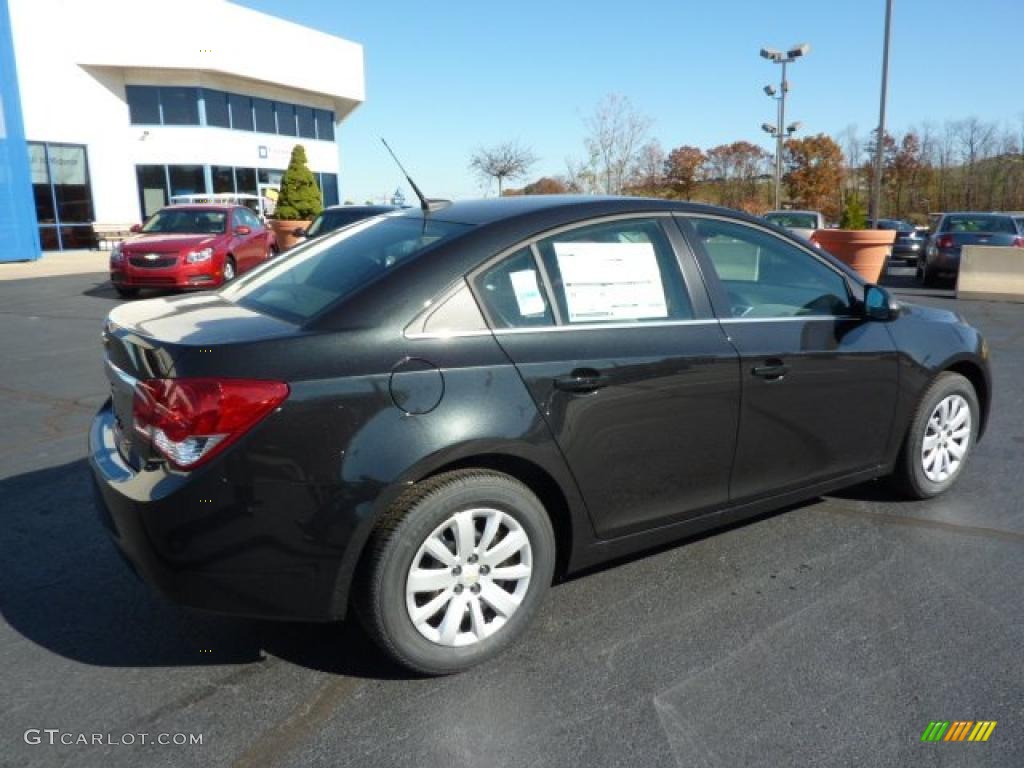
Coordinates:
619 271
311 278
766 277
512 292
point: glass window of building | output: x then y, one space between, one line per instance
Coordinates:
223 177
241 112
187 179
285 118
180 106
69 174
245 180
46 212
329 188
143 104
216 104
152 180
324 125
264 111
307 123
270 176
63 195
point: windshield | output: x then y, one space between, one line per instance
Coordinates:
794 220
328 221
964 222
190 222
310 278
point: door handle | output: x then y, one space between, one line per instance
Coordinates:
582 380
773 370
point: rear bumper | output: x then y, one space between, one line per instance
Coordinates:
207 541
943 260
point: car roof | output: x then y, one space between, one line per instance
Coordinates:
498 209
787 210
360 208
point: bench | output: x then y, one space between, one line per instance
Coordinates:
105 236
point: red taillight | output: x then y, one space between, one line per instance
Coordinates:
191 420
944 241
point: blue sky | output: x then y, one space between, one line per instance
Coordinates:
445 78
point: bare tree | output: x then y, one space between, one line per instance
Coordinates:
616 133
503 161
648 176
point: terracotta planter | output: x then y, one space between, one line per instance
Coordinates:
284 231
866 250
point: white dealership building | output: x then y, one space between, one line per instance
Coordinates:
124 103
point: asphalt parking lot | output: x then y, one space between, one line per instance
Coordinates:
831 633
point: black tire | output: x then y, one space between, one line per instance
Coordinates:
909 474
380 589
928 278
125 292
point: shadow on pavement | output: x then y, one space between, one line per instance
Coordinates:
65 588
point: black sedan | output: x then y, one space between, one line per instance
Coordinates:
426 417
909 240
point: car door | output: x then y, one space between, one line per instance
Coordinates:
244 246
622 356
819 381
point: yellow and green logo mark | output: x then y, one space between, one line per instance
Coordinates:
958 730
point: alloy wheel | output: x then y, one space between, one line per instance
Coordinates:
469 577
946 438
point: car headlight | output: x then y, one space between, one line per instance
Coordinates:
194 257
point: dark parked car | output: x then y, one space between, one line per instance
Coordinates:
424 418
338 216
190 246
955 230
909 241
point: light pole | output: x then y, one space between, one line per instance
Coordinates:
780 130
876 182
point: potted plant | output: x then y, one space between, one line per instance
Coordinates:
866 250
298 201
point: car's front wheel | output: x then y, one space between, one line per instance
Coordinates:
455 570
941 437
229 269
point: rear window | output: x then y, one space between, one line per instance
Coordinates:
979 223
310 278
328 221
793 220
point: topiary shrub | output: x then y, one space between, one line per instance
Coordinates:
853 214
299 197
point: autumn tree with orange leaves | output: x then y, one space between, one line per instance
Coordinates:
814 171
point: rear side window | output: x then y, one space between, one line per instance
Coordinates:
513 294
311 278
619 271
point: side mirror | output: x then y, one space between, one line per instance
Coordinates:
299 232
243 230
135 228
879 304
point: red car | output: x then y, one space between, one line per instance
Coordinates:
191 246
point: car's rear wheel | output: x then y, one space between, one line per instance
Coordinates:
940 438
455 571
125 292
229 269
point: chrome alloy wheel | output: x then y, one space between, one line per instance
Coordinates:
946 438
229 271
469 577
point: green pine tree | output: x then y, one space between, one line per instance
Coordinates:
853 214
299 196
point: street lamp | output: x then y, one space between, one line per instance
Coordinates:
780 134
876 182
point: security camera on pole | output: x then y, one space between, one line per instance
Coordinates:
780 130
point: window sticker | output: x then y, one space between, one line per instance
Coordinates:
611 281
528 295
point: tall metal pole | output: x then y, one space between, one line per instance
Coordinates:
876 192
783 87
